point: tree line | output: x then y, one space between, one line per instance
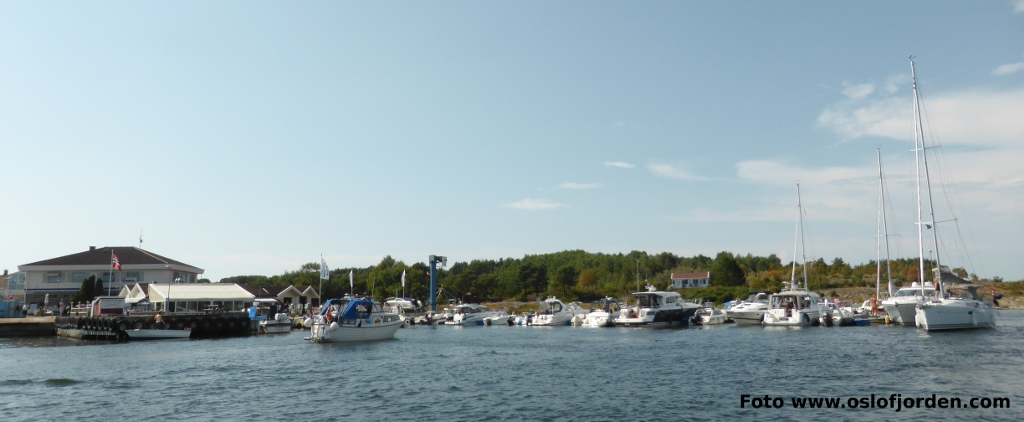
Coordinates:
585 276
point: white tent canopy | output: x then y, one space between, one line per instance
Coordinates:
198 292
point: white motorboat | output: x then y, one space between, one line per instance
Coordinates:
750 311
655 308
602 313
471 314
352 319
798 307
795 305
501 318
280 323
552 312
710 315
943 312
902 307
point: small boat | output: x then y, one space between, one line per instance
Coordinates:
655 308
709 315
502 318
750 311
602 313
270 321
153 334
552 312
353 319
471 314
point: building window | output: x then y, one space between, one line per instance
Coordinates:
78 278
16 281
133 276
53 277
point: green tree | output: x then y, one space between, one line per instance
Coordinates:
726 271
588 279
563 279
85 292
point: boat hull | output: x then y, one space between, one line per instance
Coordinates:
663 317
954 315
333 332
144 334
797 319
904 313
276 327
753 317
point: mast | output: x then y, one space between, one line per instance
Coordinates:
885 234
919 151
803 248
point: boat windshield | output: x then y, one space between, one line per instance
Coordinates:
644 301
550 307
605 305
914 292
790 302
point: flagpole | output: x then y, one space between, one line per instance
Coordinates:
111 271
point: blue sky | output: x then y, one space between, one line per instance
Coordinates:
252 137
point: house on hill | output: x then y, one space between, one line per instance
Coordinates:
690 280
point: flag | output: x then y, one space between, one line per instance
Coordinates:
325 273
114 262
351 284
403 278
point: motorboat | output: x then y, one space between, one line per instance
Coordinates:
270 321
552 312
655 308
961 308
470 314
902 306
750 311
353 319
501 318
602 313
834 314
798 307
708 314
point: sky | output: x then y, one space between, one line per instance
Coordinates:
249 138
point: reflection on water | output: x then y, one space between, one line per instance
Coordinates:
514 373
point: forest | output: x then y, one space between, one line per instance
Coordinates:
585 276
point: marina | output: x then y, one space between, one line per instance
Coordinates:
594 365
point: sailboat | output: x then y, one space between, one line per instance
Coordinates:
942 311
795 305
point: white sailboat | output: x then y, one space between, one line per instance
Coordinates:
942 312
795 305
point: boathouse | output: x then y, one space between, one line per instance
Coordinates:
690 280
62 277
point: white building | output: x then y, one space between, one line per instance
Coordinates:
62 277
690 280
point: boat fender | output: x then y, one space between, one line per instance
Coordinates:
807 318
334 325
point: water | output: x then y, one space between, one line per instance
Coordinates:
515 373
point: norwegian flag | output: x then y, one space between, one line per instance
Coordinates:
114 262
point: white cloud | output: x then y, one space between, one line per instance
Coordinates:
858 92
619 164
535 205
1007 69
673 172
580 186
975 118
1018 6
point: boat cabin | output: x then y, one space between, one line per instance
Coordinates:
550 307
607 305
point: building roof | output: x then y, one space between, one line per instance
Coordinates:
677 276
126 255
191 291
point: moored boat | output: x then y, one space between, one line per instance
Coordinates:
471 314
750 311
655 308
552 312
602 313
353 319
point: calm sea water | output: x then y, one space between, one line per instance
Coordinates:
515 373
